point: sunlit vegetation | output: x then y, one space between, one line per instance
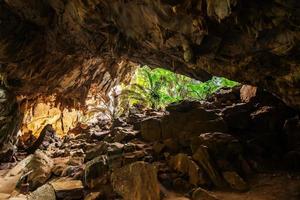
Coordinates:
150 88
156 88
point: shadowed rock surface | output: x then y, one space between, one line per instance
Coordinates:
64 46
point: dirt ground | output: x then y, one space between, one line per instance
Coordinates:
267 186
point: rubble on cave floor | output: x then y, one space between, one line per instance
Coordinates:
241 143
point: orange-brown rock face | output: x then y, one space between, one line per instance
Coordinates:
64 46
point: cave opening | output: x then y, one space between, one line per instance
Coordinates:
86 112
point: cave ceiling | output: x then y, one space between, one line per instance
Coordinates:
64 46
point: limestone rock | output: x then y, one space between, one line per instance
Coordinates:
93 196
96 171
38 170
45 192
186 119
136 181
201 194
221 145
235 181
247 93
68 189
98 150
204 160
151 129
182 163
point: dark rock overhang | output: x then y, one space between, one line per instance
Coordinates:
62 47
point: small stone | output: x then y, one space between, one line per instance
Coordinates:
235 181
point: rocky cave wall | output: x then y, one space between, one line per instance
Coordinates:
63 47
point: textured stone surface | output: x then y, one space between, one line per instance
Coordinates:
68 189
235 181
201 194
136 181
95 171
70 44
45 192
10 120
38 169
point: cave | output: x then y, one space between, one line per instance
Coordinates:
60 58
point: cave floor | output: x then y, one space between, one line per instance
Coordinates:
267 186
271 185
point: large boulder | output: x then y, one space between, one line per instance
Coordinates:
184 164
96 171
68 189
235 181
137 181
184 119
220 145
38 170
202 157
45 192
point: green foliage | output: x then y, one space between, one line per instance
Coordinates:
158 87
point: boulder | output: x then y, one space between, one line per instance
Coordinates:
96 171
235 181
189 119
247 92
38 170
136 181
45 192
93 196
124 134
237 116
201 194
267 119
9 179
68 189
182 163
98 150
220 145
151 129
202 157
